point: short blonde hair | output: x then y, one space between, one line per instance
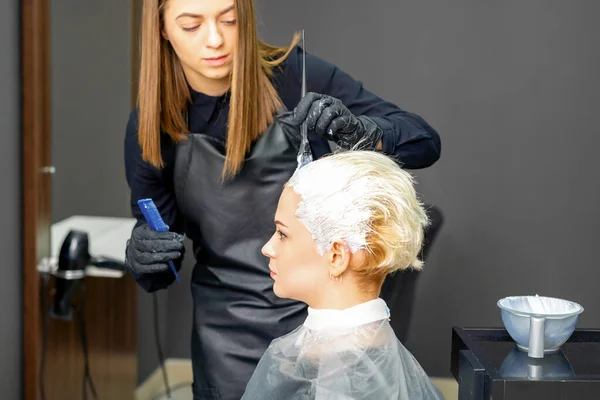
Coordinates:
367 200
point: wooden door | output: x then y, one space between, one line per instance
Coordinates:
110 312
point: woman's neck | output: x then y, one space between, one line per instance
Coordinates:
342 295
208 86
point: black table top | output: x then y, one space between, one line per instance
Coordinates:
577 360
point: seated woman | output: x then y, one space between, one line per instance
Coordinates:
342 224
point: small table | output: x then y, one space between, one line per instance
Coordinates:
487 365
107 235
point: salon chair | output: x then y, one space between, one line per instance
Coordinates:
398 289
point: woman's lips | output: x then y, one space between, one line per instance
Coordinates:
217 61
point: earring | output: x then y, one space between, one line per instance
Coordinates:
335 278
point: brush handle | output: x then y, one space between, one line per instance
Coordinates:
304 153
303 127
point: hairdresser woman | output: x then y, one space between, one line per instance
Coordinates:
209 145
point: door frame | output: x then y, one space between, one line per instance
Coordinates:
36 177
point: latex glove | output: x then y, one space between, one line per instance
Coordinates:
149 251
331 119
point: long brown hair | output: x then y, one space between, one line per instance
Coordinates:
163 92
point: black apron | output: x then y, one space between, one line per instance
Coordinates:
236 313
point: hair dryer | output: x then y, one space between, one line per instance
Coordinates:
73 259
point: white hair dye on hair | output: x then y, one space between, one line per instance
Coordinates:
330 205
366 200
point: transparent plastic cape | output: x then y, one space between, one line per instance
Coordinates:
363 362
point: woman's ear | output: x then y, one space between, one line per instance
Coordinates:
339 258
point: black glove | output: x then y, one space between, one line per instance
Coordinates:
331 119
149 251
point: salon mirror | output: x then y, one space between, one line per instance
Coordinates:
80 66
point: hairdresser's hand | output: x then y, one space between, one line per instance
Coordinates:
331 119
149 251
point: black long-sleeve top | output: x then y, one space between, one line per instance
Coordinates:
405 135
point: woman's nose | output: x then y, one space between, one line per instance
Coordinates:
215 39
267 249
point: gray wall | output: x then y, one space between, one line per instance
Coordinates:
91 97
513 89
11 283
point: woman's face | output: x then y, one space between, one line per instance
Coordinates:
204 35
299 271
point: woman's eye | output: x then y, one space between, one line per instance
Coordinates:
191 28
281 234
230 22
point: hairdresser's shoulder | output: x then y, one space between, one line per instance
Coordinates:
318 70
132 147
132 122
133 151
131 134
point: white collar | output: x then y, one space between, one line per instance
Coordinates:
371 311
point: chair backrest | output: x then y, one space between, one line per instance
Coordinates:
432 231
398 290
